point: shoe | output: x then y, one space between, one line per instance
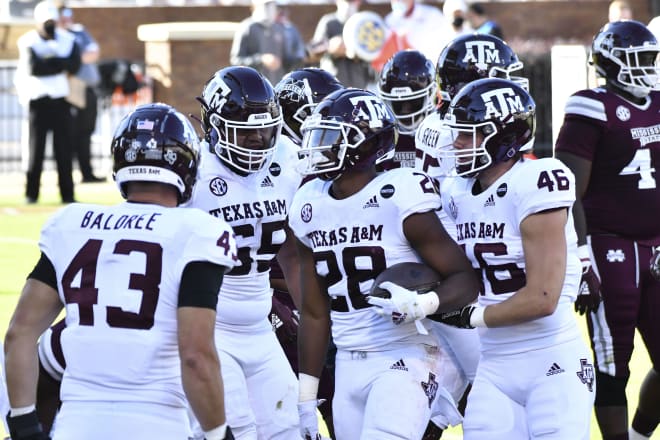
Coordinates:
93 179
30 201
67 201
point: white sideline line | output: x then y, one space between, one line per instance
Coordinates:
18 240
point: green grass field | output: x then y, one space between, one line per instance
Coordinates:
20 226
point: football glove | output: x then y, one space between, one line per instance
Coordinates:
26 427
457 318
588 298
655 263
404 305
309 424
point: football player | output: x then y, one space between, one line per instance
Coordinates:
139 284
513 219
387 374
298 93
407 86
246 178
465 59
610 139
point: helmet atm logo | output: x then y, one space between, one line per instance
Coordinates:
481 53
216 93
369 108
501 103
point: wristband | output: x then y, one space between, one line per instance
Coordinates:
308 387
217 433
429 302
583 252
477 317
15 412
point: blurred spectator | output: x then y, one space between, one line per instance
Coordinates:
46 56
654 26
261 42
424 27
481 23
295 45
328 46
456 11
84 118
620 10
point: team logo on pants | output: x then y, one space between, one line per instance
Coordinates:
586 374
430 388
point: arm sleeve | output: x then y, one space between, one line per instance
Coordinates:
200 284
45 66
44 271
73 61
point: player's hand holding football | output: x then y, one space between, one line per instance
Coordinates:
26 427
404 305
588 298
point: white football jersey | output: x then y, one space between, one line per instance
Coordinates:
354 240
429 137
488 227
256 206
119 271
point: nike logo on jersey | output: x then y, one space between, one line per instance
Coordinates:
372 203
490 201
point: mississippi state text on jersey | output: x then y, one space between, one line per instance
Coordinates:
622 140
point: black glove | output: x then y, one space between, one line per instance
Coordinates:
457 318
229 435
26 427
655 263
588 298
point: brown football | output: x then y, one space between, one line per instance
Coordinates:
413 276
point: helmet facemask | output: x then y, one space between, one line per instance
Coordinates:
324 146
409 107
247 147
639 69
468 161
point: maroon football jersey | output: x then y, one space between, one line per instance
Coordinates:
404 154
622 141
